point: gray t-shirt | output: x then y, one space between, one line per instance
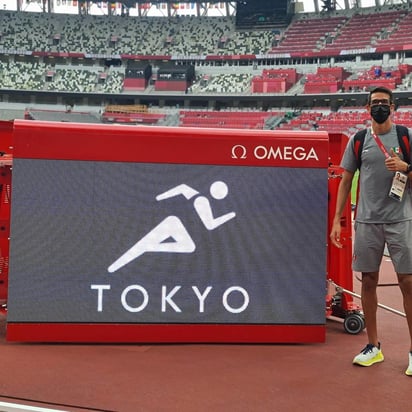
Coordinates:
374 205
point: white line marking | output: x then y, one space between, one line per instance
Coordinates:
12 407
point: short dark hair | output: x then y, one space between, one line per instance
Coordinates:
381 89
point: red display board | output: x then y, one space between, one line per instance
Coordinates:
150 234
6 132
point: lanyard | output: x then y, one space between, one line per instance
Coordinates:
380 144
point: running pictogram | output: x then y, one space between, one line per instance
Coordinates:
170 235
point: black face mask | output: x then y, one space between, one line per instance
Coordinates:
380 113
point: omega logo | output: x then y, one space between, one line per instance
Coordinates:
276 153
239 152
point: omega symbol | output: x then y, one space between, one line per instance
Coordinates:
239 152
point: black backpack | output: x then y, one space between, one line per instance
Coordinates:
403 138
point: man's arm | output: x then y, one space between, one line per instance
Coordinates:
343 192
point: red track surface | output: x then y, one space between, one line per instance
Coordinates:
131 378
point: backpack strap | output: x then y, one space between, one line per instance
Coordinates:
404 142
358 141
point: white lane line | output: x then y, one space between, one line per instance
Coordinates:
14 407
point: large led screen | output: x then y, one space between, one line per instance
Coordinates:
126 242
111 242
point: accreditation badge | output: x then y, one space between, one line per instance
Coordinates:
398 186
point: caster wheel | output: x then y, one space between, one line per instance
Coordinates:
354 323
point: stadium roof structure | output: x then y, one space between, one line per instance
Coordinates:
199 7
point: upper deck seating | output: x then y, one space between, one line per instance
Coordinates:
308 34
362 30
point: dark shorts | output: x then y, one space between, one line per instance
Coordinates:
370 239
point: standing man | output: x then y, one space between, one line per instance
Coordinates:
384 215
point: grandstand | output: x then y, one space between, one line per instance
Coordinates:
190 62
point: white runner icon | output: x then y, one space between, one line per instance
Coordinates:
170 235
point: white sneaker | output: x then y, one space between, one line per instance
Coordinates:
369 355
409 370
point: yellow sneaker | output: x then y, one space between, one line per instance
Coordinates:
409 370
369 355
